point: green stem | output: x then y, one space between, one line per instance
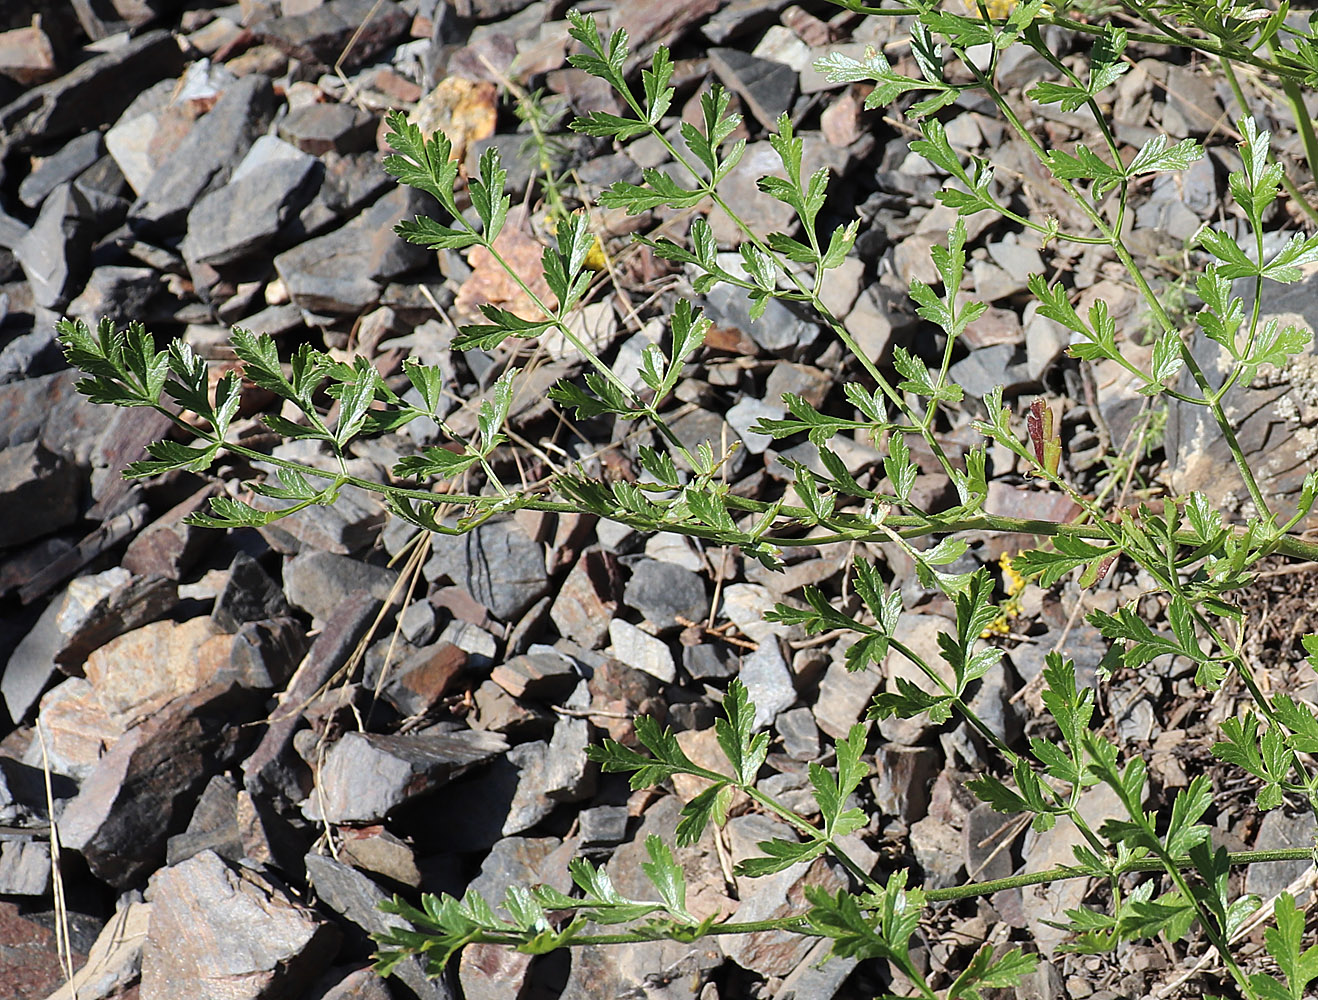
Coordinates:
1064 872
708 187
1141 283
798 923
1176 871
1206 46
1305 126
966 711
795 819
792 924
854 529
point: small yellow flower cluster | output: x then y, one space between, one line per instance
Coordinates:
1011 608
595 259
998 10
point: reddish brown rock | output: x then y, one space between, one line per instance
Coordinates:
139 792
274 768
587 601
545 677
167 547
98 608
137 673
26 55
499 712
619 694
222 932
29 960
424 676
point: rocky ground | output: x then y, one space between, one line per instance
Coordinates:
254 736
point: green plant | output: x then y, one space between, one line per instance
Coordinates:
1193 555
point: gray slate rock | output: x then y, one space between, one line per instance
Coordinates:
38 493
639 649
359 984
118 292
939 851
123 812
31 667
768 681
983 369
844 697
739 17
491 972
249 595
34 353
498 564
779 330
348 892
663 591
24 868
319 128
321 34
345 529
656 969
343 271
746 414
94 93
1192 108
213 826
701 426
768 87
207 156
352 181
23 792
222 931
367 775
602 826
475 808
63 165
318 582
588 598
901 785
1167 212
551 773
772 953
274 768
988 844
799 734
819 975
513 861
271 184
1273 423
56 251
265 653
418 623
1279 831
708 661
11 230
